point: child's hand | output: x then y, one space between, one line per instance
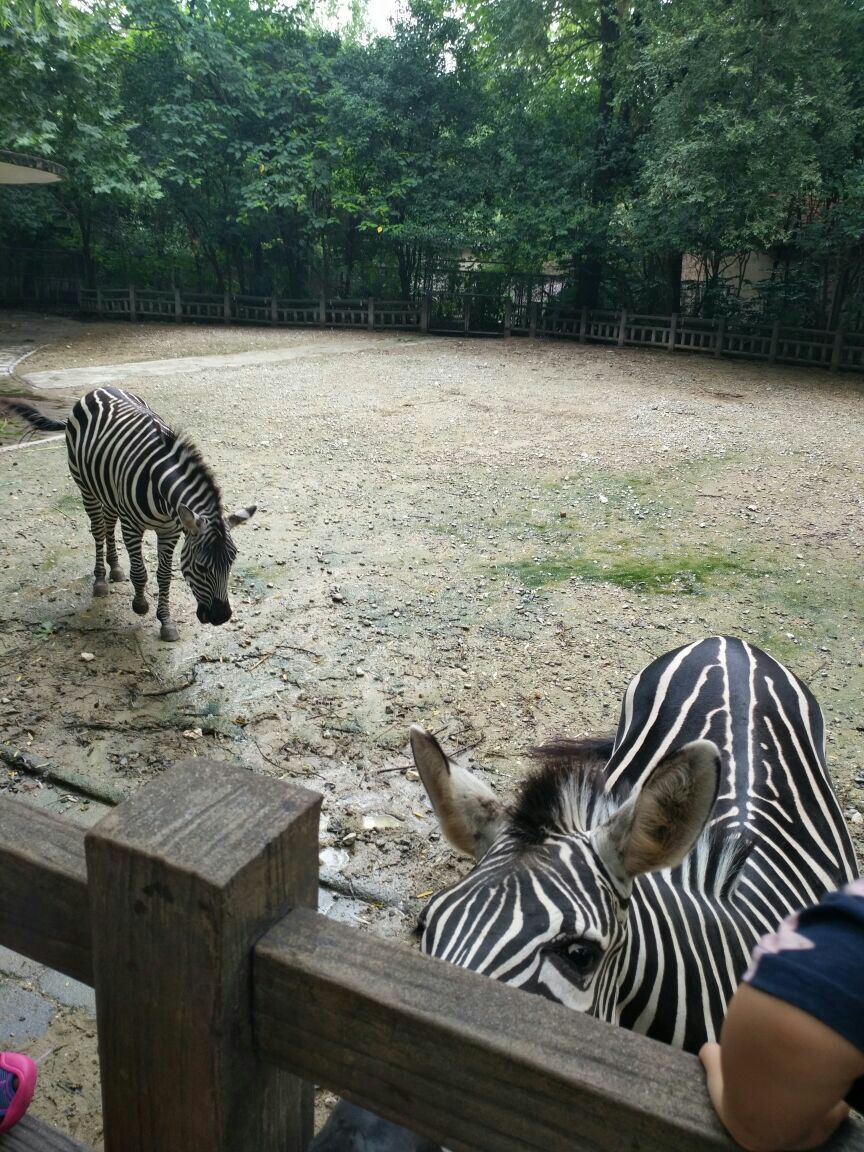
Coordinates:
779 1078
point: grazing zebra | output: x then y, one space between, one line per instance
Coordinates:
632 878
130 466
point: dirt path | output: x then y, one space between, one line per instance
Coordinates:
488 537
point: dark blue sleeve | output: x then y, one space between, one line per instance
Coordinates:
815 961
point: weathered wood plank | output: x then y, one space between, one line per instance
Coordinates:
466 1061
44 909
185 876
31 1135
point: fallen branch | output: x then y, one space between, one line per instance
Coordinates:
62 776
139 725
173 688
308 651
368 893
264 755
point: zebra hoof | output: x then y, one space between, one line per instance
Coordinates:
168 632
100 587
117 575
141 605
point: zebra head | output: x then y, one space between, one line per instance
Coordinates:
546 906
206 558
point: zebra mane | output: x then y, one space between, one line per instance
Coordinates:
567 793
188 453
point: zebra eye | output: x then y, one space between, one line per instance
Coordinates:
580 955
583 956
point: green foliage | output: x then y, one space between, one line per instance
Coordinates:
247 144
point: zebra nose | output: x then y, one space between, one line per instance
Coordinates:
220 612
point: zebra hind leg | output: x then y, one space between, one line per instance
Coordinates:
165 552
116 572
96 512
132 539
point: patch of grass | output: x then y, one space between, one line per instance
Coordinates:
69 502
45 629
663 574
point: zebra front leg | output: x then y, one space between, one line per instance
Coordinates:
165 551
117 573
95 510
132 539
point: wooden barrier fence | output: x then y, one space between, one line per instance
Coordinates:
440 313
222 996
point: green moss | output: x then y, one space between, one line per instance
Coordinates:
69 502
663 574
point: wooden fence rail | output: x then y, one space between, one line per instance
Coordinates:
222 996
472 314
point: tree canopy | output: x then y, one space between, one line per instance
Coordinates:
640 150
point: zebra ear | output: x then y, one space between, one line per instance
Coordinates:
190 523
657 827
469 812
241 515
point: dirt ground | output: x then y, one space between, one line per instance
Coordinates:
488 537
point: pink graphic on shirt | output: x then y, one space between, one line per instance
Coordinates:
786 939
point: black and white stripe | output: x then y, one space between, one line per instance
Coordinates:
130 466
560 905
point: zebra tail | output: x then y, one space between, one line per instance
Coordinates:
33 416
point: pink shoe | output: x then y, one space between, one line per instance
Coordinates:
17 1082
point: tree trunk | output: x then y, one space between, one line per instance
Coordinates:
602 177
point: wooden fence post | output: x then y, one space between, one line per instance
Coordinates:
132 309
583 325
836 351
80 292
425 309
184 878
508 316
532 318
227 307
719 333
178 305
274 309
673 325
322 309
371 316
99 301
775 340
622 330
466 312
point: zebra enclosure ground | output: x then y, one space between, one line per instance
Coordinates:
484 537
130 466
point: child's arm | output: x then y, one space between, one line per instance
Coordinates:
778 1077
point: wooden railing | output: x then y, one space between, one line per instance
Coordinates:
473 314
222 996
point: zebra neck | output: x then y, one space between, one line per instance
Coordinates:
184 479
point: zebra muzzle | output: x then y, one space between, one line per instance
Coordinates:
218 613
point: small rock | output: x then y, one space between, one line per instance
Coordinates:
380 820
192 734
87 656
359 672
